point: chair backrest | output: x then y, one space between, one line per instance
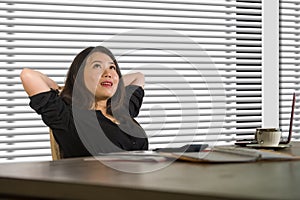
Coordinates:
55 151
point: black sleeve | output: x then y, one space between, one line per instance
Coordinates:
54 111
135 95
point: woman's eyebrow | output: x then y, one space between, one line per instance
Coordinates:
97 61
112 63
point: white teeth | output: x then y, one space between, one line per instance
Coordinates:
106 83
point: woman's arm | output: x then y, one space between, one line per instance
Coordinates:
134 79
35 82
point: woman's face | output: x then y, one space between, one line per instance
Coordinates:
100 76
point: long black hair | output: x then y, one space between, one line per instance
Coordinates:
75 80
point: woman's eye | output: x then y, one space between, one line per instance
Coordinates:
97 66
113 67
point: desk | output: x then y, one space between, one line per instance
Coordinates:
79 179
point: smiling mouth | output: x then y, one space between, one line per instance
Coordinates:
106 84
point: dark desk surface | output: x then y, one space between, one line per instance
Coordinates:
79 179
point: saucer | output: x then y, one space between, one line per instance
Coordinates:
258 146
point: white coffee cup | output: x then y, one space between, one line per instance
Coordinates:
268 136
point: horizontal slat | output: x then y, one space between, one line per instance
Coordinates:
202 132
290 50
179 95
289 32
204 138
141 53
24 148
173 40
287 45
287 12
241 100
204 61
209 112
136 9
246 20
12 156
221 80
189 140
288 26
249 4
294 87
128 26
207 140
16 110
287 20
289 1
188 114
285 55
182 48
169 132
170 121
38 123
164 73
16 67
187 125
215 96
160 138
201 27
157 86
110 18
225 81
12 140
16 133
90 31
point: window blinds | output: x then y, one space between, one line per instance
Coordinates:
289 64
202 61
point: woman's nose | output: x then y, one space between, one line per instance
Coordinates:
106 73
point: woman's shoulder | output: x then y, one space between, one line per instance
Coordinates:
134 89
49 98
134 95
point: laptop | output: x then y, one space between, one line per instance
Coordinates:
251 142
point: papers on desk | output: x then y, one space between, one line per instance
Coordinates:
214 155
233 155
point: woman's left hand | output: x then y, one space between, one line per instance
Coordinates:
136 78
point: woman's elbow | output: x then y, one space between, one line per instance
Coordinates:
30 81
140 79
25 74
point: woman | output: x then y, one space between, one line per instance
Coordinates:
94 112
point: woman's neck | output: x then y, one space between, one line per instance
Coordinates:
101 105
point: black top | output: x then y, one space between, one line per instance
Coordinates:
78 132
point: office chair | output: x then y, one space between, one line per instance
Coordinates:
55 151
